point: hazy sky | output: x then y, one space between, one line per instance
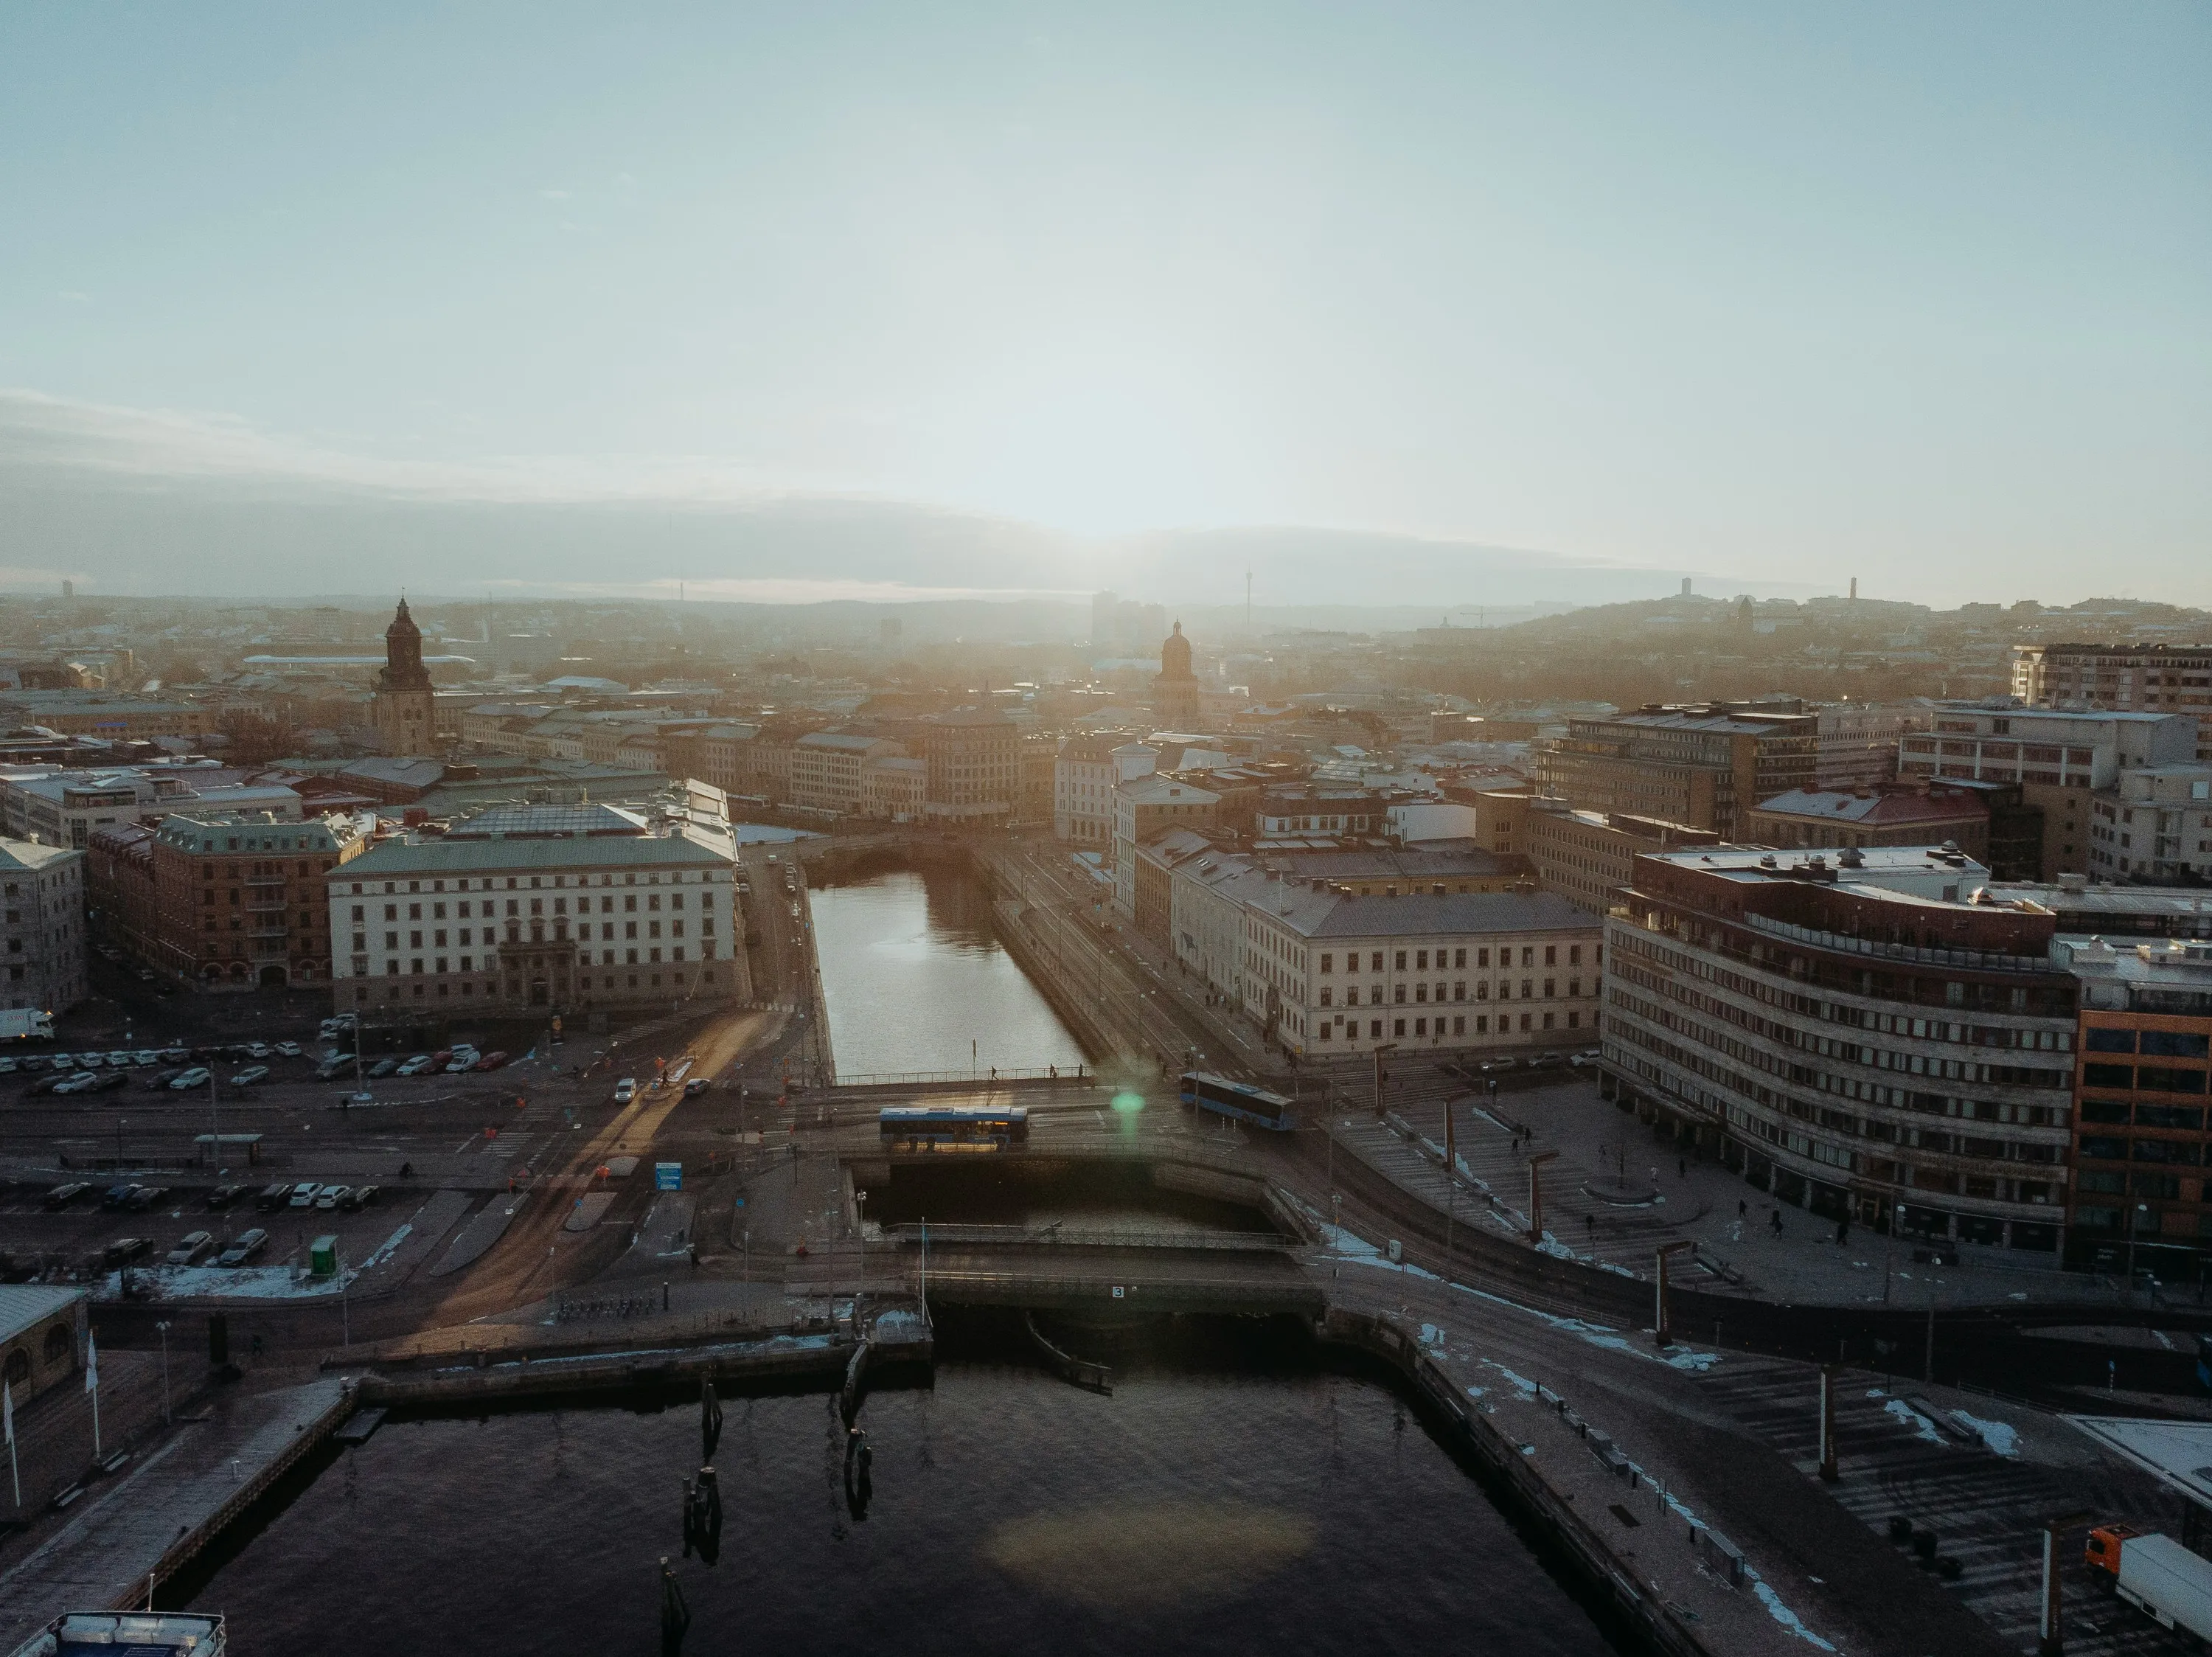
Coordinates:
1917 292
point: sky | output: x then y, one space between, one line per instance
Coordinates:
1518 302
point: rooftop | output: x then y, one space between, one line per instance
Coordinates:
22 1304
395 858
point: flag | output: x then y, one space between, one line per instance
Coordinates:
91 1364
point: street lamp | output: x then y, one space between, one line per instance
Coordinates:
164 1327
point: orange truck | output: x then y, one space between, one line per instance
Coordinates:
2157 1575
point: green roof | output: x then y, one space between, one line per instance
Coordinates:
394 858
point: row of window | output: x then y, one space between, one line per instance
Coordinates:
440 965
1351 1026
489 907
2153 1044
487 883
1458 957
537 934
1459 991
2147 1078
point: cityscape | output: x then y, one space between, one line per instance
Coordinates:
1182 993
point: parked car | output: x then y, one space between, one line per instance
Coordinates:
257 1049
176 1055
304 1194
384 1067
360 1197
461 1064
196 1077
1588 1055
62 1196
287 1049
243 1247
697 1085
7 1067
249 1076
82 1082
146 1058
1548 1061
123 1250
273 1196
61 1062
189 1247
416 1066
108 1082
157 1082
52 1082
91 1061
123 1060
226 1196
625 1090
116 1196
491 1061
1489 1065
145 1197
330 1196
331 1066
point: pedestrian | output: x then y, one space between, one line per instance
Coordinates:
1742 1208
1776 1218
1681 1167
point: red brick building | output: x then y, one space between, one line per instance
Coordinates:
242 902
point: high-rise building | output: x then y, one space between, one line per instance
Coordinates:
1175 687
403 708
2127 678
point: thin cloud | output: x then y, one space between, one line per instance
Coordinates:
554 195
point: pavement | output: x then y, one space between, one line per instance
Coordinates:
1692 1198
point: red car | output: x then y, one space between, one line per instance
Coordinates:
491 1061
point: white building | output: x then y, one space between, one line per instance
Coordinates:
1085 774
828 769
42 901
2155 822
63 807
536 918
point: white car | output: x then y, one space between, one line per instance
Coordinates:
82 1082
415 1066
625 1090
195 1077
288 1049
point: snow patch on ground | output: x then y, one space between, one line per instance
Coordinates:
385 1250
2004 1439
229 1283
1789 1618
1912 1418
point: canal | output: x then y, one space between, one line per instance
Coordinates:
1232 1494
917 981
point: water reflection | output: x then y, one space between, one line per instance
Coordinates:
916 980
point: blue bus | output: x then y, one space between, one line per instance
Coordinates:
1239 1099
979 1124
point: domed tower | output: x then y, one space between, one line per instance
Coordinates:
403 708
1175 688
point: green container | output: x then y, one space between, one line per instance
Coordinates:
323 1257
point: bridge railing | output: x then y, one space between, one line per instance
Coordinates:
1073 1076
1092 1237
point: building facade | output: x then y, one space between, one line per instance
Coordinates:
2154 826
1920 813
535 920
828 770
1857 1036
42 940
1703 767
239 901
973 756
2055 759
2128 678
404 707
1587 856
2142 1188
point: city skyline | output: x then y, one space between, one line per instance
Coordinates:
1014 300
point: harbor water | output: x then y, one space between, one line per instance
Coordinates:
1225 1507
916 981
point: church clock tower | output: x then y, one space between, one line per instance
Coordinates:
403 708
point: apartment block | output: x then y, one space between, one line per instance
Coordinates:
2155 825
1869 1036
2128 678
1702 766
42 913
239 899
2055 758
2142 1185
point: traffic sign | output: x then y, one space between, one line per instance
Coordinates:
668 1176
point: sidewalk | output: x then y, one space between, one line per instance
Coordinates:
1692 1198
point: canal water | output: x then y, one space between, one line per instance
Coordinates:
916 980
1230 1508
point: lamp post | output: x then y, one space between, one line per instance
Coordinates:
163 1326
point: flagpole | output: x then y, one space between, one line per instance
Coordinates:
8 1413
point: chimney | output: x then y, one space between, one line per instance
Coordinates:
1686 587
1855 589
